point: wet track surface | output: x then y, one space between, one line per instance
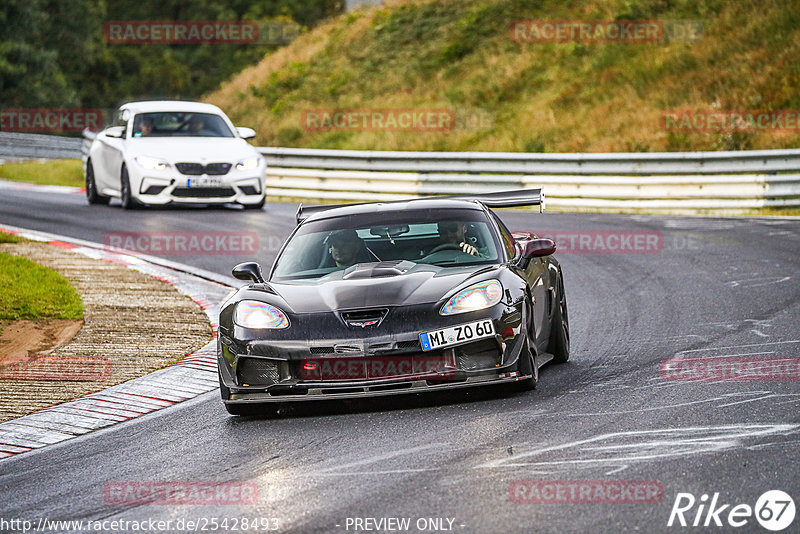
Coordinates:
714 289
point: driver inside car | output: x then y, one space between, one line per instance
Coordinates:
197 126
346 249
143 127
455 233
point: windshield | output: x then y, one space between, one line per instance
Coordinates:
327 247
180 124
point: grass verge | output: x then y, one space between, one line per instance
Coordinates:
10 238
56 172
32 291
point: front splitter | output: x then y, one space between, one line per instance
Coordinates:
329 392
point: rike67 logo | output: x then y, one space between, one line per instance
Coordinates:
774 510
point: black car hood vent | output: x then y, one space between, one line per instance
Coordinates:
377 270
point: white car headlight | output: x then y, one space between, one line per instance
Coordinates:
254 314
248 164
476 297
152 164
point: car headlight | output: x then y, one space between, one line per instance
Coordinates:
151 164
248 164
254 314
476 297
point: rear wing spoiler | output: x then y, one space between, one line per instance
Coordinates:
507 199
502 199
304 212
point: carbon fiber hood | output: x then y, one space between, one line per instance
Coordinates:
378 284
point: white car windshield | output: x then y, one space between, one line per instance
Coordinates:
327 247
180 124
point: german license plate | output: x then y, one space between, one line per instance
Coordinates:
455 335
204 181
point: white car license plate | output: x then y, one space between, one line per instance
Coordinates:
456 334
204 181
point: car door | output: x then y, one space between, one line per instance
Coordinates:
537 276
110 152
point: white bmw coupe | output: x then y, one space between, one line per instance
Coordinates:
157 153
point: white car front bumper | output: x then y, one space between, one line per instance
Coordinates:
170 186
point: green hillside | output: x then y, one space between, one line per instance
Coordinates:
525 96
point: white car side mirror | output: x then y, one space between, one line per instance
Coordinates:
246 133
115 131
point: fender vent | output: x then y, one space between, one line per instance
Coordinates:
249 190
258 371
483 354
154 189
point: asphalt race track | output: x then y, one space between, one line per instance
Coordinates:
714 288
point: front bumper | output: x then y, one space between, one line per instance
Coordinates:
171 187
291 370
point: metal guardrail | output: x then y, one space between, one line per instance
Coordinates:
754 161
690 181
671 181
21 146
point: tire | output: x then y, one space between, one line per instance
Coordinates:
531 368
241 409
558 345
224 391
234 409
91 187
126 197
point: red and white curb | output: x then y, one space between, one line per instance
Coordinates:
192 376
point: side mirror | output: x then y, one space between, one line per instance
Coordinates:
246 133
536 249
116 132
249 272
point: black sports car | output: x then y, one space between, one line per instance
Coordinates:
396 297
